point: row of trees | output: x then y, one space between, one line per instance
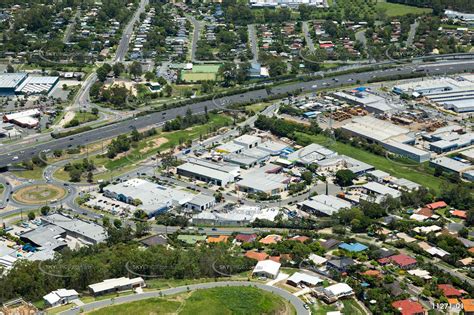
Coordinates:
77 269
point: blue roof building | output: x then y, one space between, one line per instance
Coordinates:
353 247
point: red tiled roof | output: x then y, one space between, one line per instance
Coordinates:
449 290
471 250
301 239
246 237
459 213
271 239
256 255
407 307
427 212
372 273
402 260
275 258
436 205
383 261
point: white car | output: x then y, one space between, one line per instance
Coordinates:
15 158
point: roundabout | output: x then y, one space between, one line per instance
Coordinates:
39 194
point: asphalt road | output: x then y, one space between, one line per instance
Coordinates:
127 33
125 126
295 301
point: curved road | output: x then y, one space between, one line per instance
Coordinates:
295 301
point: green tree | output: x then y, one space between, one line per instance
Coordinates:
135 69
31 215
345 177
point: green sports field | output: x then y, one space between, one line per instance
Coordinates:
201 73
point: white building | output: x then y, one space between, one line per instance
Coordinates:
299 278
116 285
60 297
324 205
338 290
248 141
267 268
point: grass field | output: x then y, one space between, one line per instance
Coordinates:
225 300
395 9
319 308
352 307
194 77
2 189
36 173
201 73
418 173
84 117
38 194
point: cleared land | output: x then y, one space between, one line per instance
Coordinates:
225 300
39 194
395 9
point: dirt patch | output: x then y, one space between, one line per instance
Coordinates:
67 118
39 194
154 143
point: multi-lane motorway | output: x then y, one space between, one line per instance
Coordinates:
125 126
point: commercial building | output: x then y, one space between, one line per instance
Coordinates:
310 154
154 198
335 163
369 101
60 297
324 205
377 130
263 180
450 141
87 232
248 158
9 82
220 174
48 237
201 202
248 141
394 138
451 165
382 190
237 217
116 285
37 85
407 151
456 94
267 268
25 119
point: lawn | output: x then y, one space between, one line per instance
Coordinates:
35 174
197 76
225 300
235 300
319 308
352 307
418 173
395 9
84 117
2 189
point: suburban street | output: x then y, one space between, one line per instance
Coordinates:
294 300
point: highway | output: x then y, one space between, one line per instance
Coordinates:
295 301
158 118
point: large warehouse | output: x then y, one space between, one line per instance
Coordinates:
394 138
22 83
9 82
456 94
